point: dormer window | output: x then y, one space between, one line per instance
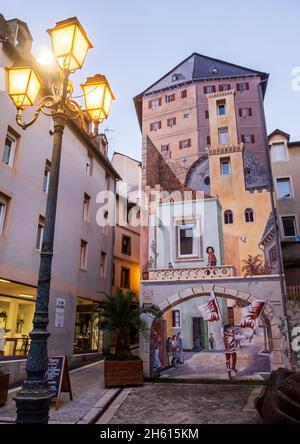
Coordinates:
214 70
175 77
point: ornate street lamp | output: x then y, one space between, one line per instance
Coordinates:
70 45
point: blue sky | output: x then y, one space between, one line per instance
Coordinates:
136 42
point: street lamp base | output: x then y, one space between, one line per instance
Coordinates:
33 404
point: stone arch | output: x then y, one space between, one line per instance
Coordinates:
269 319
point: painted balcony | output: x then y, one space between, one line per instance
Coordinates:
175 274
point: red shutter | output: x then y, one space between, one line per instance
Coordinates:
206 114
214 88
238 87
189 143
151 126
252 138
149 104
183 94
180 144
221 88
208 140
250 112
159 101
205 89
168 122
173 97
159 124
240 112
174 121
247 85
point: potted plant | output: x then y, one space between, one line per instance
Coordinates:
147 266
4 380
120 313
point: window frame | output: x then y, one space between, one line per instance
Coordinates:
286 151
83 258
125 236
225 131
294 217
40 233
170 98
219 103
228 212
12 155
121 278
281 178
224 160
248 211
86 211
3 214
174 311
182 143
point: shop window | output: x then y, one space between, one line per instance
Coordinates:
9 149
125 278
46 179
176 319
87 336
126 245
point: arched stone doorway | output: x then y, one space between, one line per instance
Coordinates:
269 319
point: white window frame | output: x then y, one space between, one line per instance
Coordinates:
289 178
83 254
223 131
3 212
154 103
40 234
196 238
218 107
295 225
48 169
225 160
13 139
280 142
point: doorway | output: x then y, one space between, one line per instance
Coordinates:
199 334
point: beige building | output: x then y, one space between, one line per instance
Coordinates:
82 262
126 263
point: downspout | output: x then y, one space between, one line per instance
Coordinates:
274 214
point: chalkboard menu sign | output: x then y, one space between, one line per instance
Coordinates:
58 377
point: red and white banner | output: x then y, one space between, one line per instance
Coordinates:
251 313
210 311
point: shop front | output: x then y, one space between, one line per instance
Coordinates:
88 336
17 304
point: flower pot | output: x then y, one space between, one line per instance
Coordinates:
4 380
123 373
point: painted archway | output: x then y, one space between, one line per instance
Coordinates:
271 322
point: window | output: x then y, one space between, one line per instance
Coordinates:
186 115
206 114
175 77
154 126
40 233
126 245
164 148
283 188
225 166
86 207
228 217
243 86
47 176
214 70
187 239
103 264
249 215
170 98
154 103
171 122
183 93
87 335
83 254
221 107
224 87
9 150
176 321
209 89
289 226
245 112
89 165
187 143
248 138
278 152
3 212
223 136
208 140
125 277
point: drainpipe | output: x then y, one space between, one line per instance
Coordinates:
274 214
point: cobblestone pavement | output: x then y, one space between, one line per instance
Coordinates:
211 365
186 404
87 386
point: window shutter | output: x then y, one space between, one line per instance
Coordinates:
247 85
159 101
189 143
214 88
208 140
243 138
174 121
149 104
151 126
250 112
159 124
206 114
240 112
221 88
180 145
205 89
238 87
252 138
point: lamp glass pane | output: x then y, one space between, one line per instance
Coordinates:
93 95
18 84
107 101
33 87
62 41
80 47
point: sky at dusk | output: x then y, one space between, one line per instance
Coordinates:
136 42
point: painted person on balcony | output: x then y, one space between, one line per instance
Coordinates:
212 260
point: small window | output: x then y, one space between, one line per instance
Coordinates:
83 254
224 87
171 122
187 240
126 245
209 89
154 103
187 143
40 233
174 77
103 264
170 98
248 138
289 226
223 136
89 165
221 107
206 114
249 215
3 213
183 93
164 148
228 217
278 152
208 140
243 86
245 112
186 115
154 126
47 172
9 150
86 207
214 70
125 278
176 321
283 188
225 166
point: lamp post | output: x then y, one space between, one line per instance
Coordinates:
70 45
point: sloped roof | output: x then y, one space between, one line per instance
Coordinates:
269 228
280 132
198 67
